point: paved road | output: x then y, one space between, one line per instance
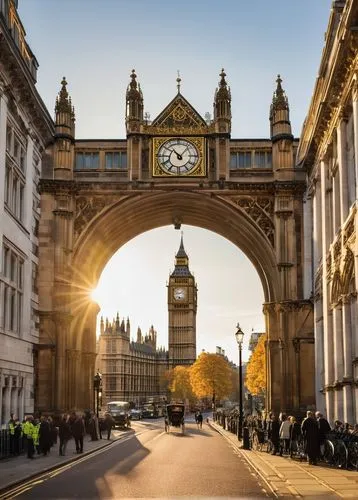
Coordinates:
151 463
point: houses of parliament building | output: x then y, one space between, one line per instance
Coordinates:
132 370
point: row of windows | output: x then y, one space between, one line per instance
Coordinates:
16 148
251 159
113 160
126 383
11 286
136 368
14 191
118 160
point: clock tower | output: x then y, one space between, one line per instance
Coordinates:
182 304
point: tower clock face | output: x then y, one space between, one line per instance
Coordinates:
179 293
178 157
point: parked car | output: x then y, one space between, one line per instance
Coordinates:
135 414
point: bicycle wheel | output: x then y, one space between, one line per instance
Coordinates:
340 455
328 452
353 455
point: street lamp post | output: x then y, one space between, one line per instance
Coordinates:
239 339
97 387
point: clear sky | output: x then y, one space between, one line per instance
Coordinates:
96 44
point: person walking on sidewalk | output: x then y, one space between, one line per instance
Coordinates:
45 439
284 434
78 431
108 424
324 428
310 433
64 433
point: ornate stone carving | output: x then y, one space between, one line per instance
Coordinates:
87 207
260 210
179 117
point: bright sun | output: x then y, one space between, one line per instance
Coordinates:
95 295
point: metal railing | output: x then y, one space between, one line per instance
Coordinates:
10 447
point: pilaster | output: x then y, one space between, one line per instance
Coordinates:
342 166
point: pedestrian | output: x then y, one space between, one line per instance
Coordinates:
64 433
108 424
284 434
36 435
92 427
11 427
295 436
310 433
199 420
45 438
17 437
273 433
324 428
30 432
78 431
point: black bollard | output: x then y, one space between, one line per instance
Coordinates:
245 438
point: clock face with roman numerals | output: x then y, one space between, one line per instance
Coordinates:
178 156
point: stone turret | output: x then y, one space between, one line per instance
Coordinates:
222 106
134 103
64 135
280 130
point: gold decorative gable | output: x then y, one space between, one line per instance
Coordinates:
178 117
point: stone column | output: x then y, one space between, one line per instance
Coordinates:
317 225
342 165
326 364
7 400
338 361
355 133
347 359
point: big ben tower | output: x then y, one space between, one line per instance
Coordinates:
182 303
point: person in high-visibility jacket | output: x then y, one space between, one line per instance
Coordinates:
11 426
29 431
35 435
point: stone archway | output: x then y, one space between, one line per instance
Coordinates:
102 226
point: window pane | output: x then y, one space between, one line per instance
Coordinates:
79 160
123 160
233 160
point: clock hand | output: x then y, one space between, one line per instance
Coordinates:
178 155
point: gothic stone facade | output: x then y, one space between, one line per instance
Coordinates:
131 370
25 130
329 153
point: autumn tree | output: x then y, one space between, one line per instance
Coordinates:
256 368
211 375
179 383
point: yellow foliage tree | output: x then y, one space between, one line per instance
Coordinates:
256 369
179 385
211 375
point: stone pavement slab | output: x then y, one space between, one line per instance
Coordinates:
291 478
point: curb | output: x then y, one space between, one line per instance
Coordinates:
13 484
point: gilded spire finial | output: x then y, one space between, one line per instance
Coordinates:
178 81
63 101
279 100
223 91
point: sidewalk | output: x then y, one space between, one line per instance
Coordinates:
17 469
289 478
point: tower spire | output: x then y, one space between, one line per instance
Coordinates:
64 111
134 100
280 113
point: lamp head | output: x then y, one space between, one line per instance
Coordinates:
239 334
